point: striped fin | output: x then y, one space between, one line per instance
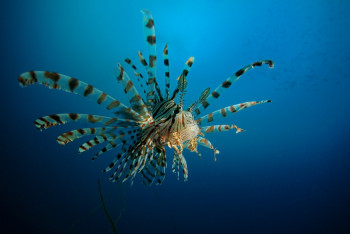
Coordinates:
126 154
218 114
161 165
78 133
201 99
145 158
121 157
151 92
111 165
110 145
182 83
56 119
97 140
181 80
150 36
167 71
206 143
220 128
176 166
153 170
131 135
146 172
125 164
137 74
149 172
135 164
114 162
69 84
136 155
183 163
135 99
227 83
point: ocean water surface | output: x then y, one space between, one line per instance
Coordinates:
287 173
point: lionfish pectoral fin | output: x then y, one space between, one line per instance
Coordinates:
70 136
57 119
224 112
220 128
227 83
72 85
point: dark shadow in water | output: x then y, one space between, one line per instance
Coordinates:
166 207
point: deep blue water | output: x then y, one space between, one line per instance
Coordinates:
287 173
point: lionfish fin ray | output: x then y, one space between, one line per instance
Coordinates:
227 83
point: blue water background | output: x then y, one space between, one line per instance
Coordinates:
287 173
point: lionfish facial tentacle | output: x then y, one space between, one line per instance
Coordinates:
221 113
227 83
167 71
69 84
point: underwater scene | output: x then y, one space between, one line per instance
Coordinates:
141 127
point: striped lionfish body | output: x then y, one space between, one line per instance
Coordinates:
142 131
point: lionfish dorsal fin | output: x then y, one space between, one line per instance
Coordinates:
150 37
201 99
167 72
181 80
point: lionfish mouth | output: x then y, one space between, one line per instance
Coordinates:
142 131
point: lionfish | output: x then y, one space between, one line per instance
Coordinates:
143 130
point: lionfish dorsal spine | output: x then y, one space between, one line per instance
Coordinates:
167 71
131 92
182 80
138 75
